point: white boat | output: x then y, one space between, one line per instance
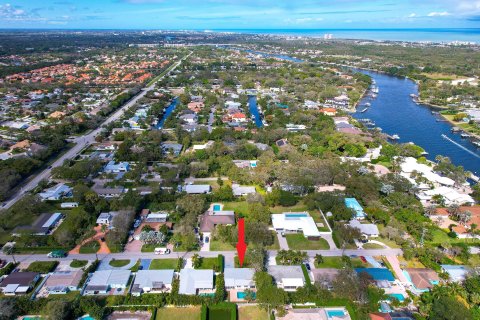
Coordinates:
395 137
363 110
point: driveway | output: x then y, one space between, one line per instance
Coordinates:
282 241
393 260
206 245
330 241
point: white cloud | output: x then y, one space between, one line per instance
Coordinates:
412 15
438 14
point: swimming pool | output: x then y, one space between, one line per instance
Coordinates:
295 215
335 313
87 318
397 296
242 295
217 207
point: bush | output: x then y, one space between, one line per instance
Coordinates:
8 268
78 263
221 263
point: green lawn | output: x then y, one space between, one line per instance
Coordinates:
160 264
240 207
188 313
119 263
337 263
90 247
299 207
78 263
372 246
149 247
42 266
299 242
252 313
275 245
216 245
209 263
440 236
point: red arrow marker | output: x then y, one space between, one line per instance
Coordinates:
241 245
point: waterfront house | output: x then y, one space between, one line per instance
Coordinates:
288 278
194 282
152 281
296 222
19 283
456 273
462 230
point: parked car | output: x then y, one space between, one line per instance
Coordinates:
207 239
57 254
307 265
162 251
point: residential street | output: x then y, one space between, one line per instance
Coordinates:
82 141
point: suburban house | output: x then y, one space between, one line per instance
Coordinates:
197 188
239 278
172 148
456 273
369 230
113 167
240 191
57 192
337 313
246 164
62 282
289 278
194 281
108 192
156 217
152 281
69 205
325 276
423 279
189 118
196 106
239 117
296 222
19 283
105 218
357 209
210 219
42 226
383 277
329 111
101 282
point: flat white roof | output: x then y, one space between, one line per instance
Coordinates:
296 221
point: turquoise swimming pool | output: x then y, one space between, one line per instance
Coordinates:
241 295
397 296
217 207
87 318
335 313
295 215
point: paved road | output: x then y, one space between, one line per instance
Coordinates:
83 141
28 258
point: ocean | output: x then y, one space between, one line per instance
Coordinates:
410 35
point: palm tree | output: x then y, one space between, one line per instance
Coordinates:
318 259
465 216
453 210
9 250
430 210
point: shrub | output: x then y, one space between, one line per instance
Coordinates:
42 266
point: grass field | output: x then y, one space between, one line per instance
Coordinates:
90 247
160 264
251 313
42 266
216 245
299 242
337 263
209 263
240 207
188 313
78 263
372 246
119 263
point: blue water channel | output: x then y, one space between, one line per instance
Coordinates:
167 113
252 106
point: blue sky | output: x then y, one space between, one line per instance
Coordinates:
239 14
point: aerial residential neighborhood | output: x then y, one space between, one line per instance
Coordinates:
223 175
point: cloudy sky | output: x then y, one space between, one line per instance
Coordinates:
239 14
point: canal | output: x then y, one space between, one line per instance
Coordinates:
395 112
167 113
253 108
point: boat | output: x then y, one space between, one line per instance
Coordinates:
368 104
394 137
363 110
455 129
465 135
375 90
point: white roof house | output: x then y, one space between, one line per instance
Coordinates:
197 188
368 229
296 222
456 273
287 277
105 280
105 218
192 280
239 278
450 195
152 281
113 167
410 165
56 193
239 190
157 217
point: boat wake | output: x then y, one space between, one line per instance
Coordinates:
460 146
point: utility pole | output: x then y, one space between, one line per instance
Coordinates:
422 239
